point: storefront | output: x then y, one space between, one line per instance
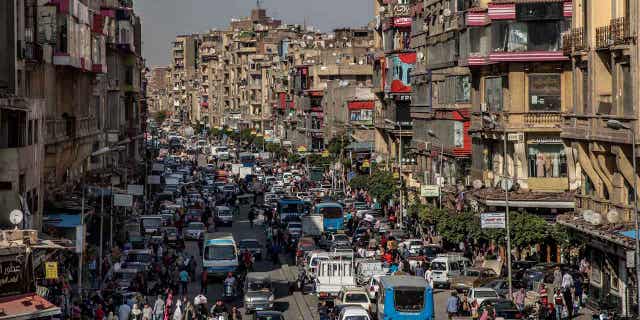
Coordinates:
546 157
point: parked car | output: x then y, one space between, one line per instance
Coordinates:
472 277
194 231
501 286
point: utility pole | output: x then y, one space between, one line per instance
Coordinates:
101 232
82 244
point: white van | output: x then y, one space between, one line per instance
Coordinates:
219 254
446 266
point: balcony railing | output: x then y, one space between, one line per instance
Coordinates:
543 119
603 37
603 207
574 40
621 31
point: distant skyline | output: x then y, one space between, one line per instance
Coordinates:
162 20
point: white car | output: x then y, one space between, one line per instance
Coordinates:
194 230
482 294
354 296
354 313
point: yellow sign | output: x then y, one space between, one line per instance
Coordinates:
253 132
366 164
51 270
259 135
396 175
325 153
302 149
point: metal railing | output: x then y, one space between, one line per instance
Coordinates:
620 31
574 40
603 37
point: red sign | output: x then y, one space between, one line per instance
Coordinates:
359 105
402 22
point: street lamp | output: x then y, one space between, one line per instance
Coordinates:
506 198
433 135
617 125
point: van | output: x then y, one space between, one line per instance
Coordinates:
220 254
447 266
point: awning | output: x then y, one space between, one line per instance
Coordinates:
533 204
629 234
100 152
62 220
26 306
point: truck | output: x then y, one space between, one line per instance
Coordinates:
312 225
235 168
334 274
219 254
245 171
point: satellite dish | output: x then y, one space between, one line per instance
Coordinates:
613 216
16 217
506 184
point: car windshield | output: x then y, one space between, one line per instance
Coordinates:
356 318
409 300
152 222
259 285
485 294
295 226
473 273
440 266
218 252
249 244
195 226
356 298
331 212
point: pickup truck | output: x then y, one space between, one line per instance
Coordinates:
333 275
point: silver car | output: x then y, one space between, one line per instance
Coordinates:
194 231
258 292
224 216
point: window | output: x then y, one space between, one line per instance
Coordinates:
586 106
493 93
544 92
527 36
547 161
463 88
458 134
627 89
408 300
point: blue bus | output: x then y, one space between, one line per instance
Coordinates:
405 298
247 159
290 208
332 216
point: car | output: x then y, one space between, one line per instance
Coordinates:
472 277
268 315
194 215
253 246
223 215
170 234
501 286
258 292
503 308
140 259
305 245
354 313
194 231
123 278
337 239
481 294
295 229
354 296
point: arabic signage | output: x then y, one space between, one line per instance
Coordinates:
399 10
12 279
51 270
429 190
492 220
403 22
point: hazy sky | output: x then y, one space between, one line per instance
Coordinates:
162 20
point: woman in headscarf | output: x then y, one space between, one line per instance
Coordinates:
136 313
177 313
167 305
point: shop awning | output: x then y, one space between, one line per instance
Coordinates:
533 204
27 306
62 220
629 234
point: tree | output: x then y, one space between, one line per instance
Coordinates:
381 185
337 145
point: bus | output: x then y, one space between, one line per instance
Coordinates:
332 216
220 254
290 208
405 298
247 159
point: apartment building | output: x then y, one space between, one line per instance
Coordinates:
599 130
159 95
521 87
184 69
441 95
394 61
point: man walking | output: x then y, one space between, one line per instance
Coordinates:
452 305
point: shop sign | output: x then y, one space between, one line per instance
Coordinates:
122 200
493 220
12 280
545 140
399 10
325 153
429 190
135 189
402 22
518 136
79 239
366 164
51 270
402 97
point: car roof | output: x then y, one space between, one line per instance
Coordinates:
354 311
403 281
484 289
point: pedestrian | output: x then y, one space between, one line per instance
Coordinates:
158 308
567 286
235 314
578 290
177 313
558 304
452 305
518 299
557 278
419 271
474 309
147 312
112 316
136 313
428 276
124 311
99 314
184 281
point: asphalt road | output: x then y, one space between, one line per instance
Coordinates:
294 306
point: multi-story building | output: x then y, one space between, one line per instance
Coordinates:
184 70
600 124
159 95
394 61
441 92
520 89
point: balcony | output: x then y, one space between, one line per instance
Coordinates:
543 120
618 32
603 207
595 128
603 37
573 41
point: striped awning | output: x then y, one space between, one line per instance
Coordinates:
502 11
477 19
